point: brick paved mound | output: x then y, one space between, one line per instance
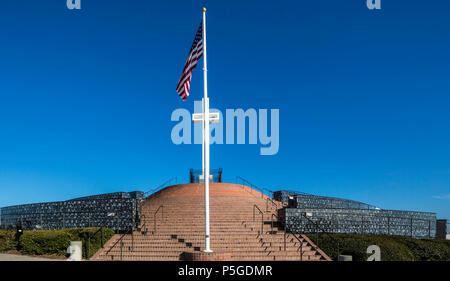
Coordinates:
243 223
215 189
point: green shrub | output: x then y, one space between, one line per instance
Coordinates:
83 234
40 242
53 242
7 241
393 248
427 249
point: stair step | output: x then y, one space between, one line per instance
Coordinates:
233 228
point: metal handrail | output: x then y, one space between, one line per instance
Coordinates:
144 225
267 203
161 186
121 250
89 241
262 216
285 234
154 217
271 223
102 237
300 249
271 220
130 229
323 231
114 245
301 244
261 189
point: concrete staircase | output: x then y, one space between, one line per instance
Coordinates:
243 223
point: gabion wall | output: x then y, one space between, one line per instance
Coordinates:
390 222
319 202
283 195
118 211
441 229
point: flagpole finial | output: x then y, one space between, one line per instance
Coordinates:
204 9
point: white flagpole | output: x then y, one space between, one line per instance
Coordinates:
206 138
203 142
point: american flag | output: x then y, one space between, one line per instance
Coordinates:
195 54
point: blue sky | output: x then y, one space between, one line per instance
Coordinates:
86 96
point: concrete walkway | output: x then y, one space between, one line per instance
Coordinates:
9 257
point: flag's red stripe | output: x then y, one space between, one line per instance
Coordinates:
196 52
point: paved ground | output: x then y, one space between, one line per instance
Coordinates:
10 257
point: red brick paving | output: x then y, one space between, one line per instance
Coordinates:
233 230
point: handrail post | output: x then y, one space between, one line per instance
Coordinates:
262 223
262 217
338 254
318 227
154 217
271 223
143 224
301 250
121 251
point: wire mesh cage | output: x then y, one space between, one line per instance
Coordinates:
196 175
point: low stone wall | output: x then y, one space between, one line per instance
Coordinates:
118 211
390 222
